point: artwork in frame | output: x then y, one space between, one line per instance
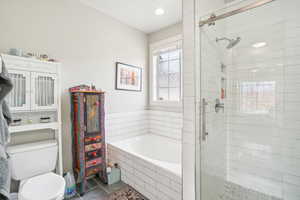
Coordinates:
128 77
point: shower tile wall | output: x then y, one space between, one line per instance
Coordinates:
263 104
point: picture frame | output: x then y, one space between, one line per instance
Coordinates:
128 77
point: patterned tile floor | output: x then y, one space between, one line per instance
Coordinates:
96 194
98 191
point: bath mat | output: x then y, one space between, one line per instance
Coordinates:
126 193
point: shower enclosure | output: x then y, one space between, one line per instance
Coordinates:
250 102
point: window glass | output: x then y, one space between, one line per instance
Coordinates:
258 97
168 76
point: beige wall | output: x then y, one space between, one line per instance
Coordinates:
165 33
88 44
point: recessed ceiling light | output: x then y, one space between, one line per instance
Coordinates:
259 45
159 11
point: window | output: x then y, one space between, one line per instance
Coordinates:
258 97
166 73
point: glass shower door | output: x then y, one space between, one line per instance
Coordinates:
213 119
250 104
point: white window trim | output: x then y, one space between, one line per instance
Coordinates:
156 47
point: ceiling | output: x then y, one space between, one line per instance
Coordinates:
140 14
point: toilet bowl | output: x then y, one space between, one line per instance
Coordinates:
47 186
33 164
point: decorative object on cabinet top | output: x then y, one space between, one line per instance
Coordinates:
85 89
30 64
37 56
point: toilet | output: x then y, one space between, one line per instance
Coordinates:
33 164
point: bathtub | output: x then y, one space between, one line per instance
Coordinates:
151 164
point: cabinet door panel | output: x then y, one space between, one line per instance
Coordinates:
44 91
19 98
93 113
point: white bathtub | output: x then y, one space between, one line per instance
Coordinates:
151 164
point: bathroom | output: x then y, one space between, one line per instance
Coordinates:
214 115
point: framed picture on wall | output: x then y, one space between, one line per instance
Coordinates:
128 77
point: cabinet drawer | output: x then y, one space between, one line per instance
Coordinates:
92 147
93 163
93 154
92 171
92 139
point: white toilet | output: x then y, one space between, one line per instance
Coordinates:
32 164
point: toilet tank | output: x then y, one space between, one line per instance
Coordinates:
31 159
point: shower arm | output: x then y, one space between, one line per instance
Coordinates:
223 38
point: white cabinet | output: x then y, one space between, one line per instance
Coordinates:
32 91
35 96
43 87
35 84
19 98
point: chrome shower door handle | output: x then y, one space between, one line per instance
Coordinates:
204 131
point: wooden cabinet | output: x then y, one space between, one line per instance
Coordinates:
88 135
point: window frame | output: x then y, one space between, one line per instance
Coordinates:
154 48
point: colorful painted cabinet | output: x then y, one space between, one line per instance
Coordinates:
88 136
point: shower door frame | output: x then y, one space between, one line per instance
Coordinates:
213 18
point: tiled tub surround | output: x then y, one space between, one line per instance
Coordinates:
168 124
151 164
120 126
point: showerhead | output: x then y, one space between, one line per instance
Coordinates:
232 42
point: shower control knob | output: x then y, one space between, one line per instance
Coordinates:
219 106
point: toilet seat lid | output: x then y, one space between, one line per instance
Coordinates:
46 186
